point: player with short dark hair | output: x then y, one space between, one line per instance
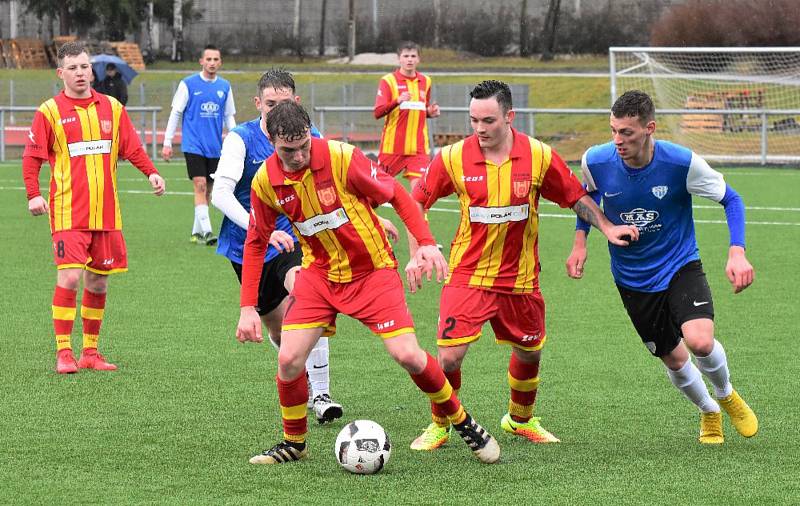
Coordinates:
82 134
498 175
243 151
203 104
328 190
649 184
404 99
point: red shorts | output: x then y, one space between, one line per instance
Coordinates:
415 165
98 251
517 318
377 300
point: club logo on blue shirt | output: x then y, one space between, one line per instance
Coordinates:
220 93
209 108
639 217
659 191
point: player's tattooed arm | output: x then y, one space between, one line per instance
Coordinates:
620 235
587 213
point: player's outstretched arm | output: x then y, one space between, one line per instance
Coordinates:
619 235
738 269
577 257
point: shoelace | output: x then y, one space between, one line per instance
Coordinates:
283 452
474 435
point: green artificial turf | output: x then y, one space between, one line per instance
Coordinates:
189 405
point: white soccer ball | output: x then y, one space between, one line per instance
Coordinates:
362 447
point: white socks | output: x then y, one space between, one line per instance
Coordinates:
688 380
202 223
715 368
317 368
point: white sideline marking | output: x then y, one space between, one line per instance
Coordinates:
747 208
572 216
458 211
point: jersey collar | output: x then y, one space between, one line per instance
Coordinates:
400 76
519 148
279 177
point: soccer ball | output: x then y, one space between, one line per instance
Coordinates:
362 447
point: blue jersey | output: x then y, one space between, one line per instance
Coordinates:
204 116
257 149
657 199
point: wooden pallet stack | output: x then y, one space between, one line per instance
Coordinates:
131 53
5 61
24 54
703 122
735 99
445 139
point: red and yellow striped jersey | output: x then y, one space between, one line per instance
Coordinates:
83 139
405 129
496 244
330 207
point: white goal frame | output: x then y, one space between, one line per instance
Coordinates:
641 64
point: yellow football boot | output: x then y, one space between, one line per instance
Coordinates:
742 417
711 428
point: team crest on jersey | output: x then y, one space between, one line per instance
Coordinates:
105 126
522 188
327 196
220 93
659 191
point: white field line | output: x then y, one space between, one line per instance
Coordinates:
701 206
572 217
457 211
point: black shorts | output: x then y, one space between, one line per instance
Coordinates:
658 316
271 291
200 166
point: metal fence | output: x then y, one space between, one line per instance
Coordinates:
527 123
144 134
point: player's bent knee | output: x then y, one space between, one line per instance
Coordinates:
69 278
702 346
412 359
451 357
290 365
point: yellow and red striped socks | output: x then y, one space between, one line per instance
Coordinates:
443 397
293 396
64 310
92 310
437 413
523 378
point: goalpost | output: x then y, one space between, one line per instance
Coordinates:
727 104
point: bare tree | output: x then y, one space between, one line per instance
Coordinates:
322 29
524 29
297 35
437 23
177 30
550 30
351 30
150 33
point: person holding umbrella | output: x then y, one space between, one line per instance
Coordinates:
112 84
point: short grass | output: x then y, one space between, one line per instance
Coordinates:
189 405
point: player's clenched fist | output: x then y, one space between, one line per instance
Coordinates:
249 328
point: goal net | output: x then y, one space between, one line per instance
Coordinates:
726 104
